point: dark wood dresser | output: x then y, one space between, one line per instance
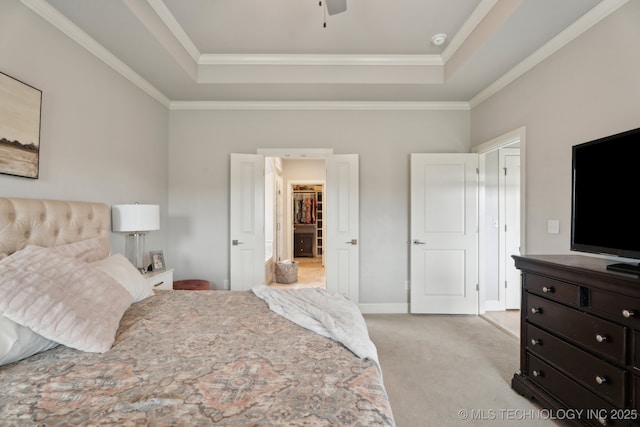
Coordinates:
580 339
303 240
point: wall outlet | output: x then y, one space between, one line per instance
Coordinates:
553 226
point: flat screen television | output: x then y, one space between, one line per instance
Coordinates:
605 217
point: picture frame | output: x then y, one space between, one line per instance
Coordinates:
20 113
157 261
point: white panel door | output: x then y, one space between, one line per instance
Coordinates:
246 219
444 233
342 226
510 233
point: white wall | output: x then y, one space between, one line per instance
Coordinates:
589 89
199 146
102 139
304 170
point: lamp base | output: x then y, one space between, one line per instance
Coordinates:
134 250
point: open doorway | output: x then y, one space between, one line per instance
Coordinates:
298 220
247 265
501 228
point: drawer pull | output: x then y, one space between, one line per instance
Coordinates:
547 289
601 338
603 421
536 342
601 380
536 310
628 313
537 373
158 284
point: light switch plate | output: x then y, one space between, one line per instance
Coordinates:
553 226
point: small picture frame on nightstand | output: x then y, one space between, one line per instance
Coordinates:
157 261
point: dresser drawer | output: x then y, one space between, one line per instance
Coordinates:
624 308
636 352
594 373
636 395
303 244
554 289
570 393
599 335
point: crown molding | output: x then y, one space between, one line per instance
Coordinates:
479 13
59 21
176 29
319 105
585 22
320 60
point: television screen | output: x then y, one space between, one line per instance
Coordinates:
605 216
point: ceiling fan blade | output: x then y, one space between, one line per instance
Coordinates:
336 6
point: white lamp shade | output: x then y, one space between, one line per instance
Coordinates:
132 218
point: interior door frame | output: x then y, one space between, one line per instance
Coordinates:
335 270
515 136
294 153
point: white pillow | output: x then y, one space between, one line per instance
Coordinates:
18 342
62 299
118 267
87 250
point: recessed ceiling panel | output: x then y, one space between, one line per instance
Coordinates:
296 26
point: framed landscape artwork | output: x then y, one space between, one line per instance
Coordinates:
20 106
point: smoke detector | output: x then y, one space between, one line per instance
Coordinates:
439 39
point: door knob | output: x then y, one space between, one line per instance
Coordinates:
352 242
418 242
236 243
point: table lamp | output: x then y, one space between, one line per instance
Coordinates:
135 219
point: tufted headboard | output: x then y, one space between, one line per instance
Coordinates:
50 223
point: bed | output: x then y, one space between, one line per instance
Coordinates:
173 357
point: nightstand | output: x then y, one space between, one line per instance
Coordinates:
160 280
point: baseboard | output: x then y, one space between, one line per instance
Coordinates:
392 308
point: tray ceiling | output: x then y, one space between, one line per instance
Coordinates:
244 52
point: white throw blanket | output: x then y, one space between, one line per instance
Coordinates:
330 315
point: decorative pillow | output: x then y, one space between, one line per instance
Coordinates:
63 299
118 267
18 342
88 250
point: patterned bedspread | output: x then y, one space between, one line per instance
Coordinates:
186 358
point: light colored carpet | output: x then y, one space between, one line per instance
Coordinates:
440 369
